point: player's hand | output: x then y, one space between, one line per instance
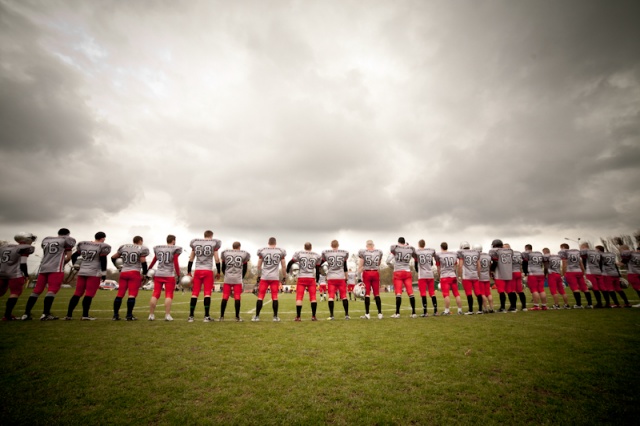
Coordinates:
217 276
104 278
283 280
257 280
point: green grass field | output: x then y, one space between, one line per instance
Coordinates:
554 367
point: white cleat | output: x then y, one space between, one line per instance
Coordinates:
395 316
168 317
347 317
152 317
365 316
469 313
190 319
255 318
380 316
330 319
413 316
633 306
207 319
276 319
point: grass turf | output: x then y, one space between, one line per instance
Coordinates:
576 366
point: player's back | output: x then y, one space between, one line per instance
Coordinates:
572 256
516 261
609 267
485 267
469 263
164 256
54 249
130 255
371 259
204 250
554 263
504 259
271 259
424 258
535 262
336 261
632 259
307 262
402 255
91 252
10 256
592 257
234 260
447 261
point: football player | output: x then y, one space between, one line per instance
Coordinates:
309 263
337 276
611 275
502 269
204 252
322 287
269 260
591 261
134 257
553 269
234 268
533 268
423 259
484 275
632 260
402 253
468 270
351 282
369 267
168 268
56 252
516 278
13 270
93 270
573 271
446 262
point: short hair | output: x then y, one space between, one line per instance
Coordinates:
236 245
208 234
564 246
171 238
444 246
307 246
272 240
100 235
370 242
624 247
600 248
421 243
334 244
528 247
546 249
585 244
137 239
63 231
401 240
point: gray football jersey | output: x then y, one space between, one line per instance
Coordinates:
402 256
10 259
91 253
554 263
447 261
234 260
307 261
535 262
593 261
54 249
371 259
632 259
130 255
164 258
271 257
504 258
351 277
609 267
469 263
424 259
572 256
516 262
322 279
485 267
204 250
336 260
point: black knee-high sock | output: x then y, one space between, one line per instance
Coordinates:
237 306
298 310
192 306
503 300
614 297
207 305
398 304
578 298
30 302
73 302
412 302
607 298
470 302
424 304
48 302
117 302
624 297
11 303
258 307
479 298
345 305
314 306
330 308
86 304
638 291
523 300
367 303
434 301
223 307
275 308
379 304
513 299
598 296
131 303
588 296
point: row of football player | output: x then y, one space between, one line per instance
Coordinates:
472 265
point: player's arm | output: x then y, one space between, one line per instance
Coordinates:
459 267
479 267
283 266
244 269
525 267
103 266
192 257
346 270
176 264
291 262
23 266
564 266
153 262
259 267
360 266
143 262
67 256
75 256
581 267
114 257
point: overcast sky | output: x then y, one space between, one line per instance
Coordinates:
308 121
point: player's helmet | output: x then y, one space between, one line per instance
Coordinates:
295 269
496 243
151 273
624 284
186 281
588 283
324 268
477 247
359 290
465 245
119 263
25 237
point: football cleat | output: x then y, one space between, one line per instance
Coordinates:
365 316
460 312
221 319
469 313
524 309
512 310
413 316
544 308
445 313
190 319
578 307
207 319
395 316
636 306
297 319
67 318
276 319
330 319
380 316
11 318
26 317
88 318
115 318
567 307
627 305
255 319
479 313
152 317
314 319
589 306
168 317
502 311
347 317
424 315
238 319
48 317
131 318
